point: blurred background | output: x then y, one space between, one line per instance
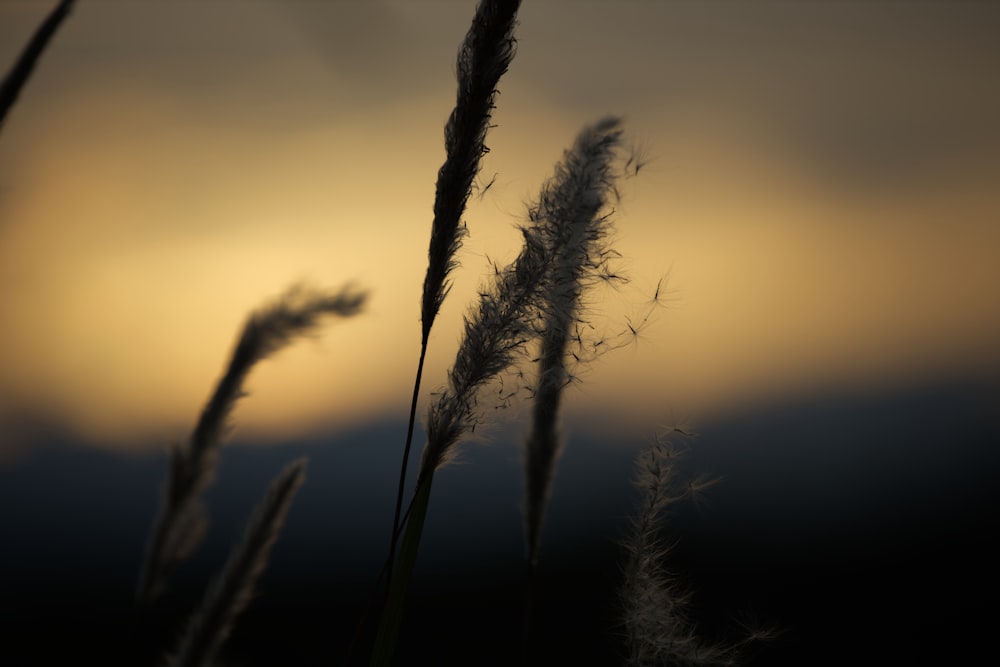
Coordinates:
819 190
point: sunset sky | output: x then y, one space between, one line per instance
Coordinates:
819 204
821 189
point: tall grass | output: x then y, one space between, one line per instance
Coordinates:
483 58
183 521
530 314
531 301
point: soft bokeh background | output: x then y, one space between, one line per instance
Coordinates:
821 187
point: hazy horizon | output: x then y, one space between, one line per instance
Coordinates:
820 189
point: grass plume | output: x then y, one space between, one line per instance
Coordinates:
497 331
655 604
572 218
233 590
483 58
182 520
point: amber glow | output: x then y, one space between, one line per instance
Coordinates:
142 218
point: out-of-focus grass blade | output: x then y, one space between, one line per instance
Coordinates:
392 613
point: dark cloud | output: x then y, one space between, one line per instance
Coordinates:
861 95
893 150
382 52
250 58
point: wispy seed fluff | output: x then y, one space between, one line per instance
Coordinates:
537 296
655 604
496 334
572 216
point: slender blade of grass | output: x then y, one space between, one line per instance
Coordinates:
22 69
392 613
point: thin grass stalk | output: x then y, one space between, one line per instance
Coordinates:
483 58
232 592
570 215
183 521
18 75
392 613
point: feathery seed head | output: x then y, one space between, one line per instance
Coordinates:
483 58
496 333
571 216
295 313
182 520
655 604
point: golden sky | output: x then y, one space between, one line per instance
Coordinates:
822 188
